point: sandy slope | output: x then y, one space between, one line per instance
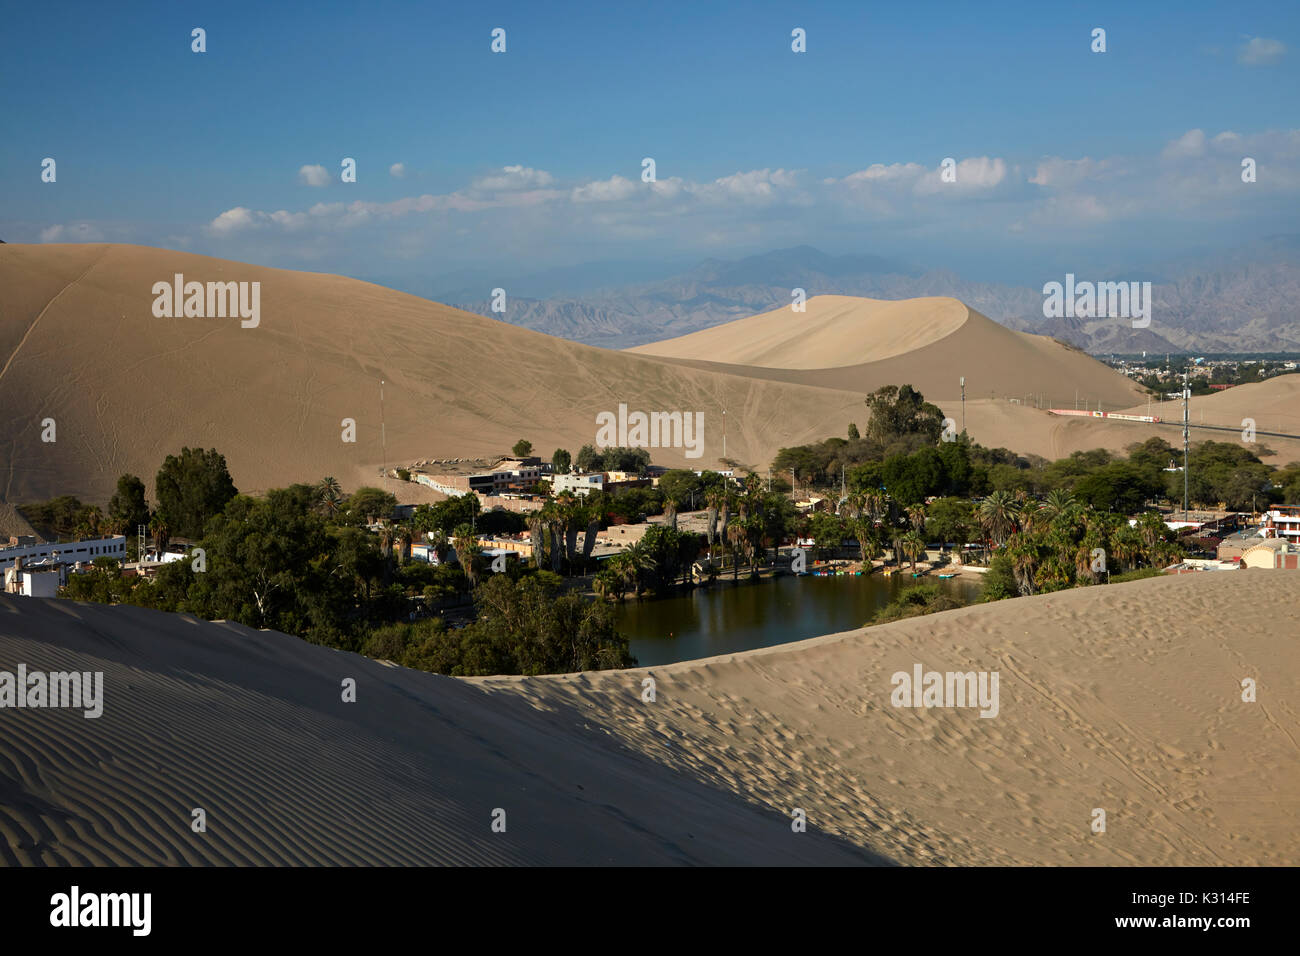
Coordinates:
80 344
832 331
249 726
931 343
1273 404
1125 698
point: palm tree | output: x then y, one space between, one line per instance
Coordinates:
403 536
913 546
593 515
1058 502
467 552
437 539
553 517
162 534
1151 529
916 517
864 529
329 495
714 497
640 562
997 516
386 538
735 537
670 512
536 525
1024 560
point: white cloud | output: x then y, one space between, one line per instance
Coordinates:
1260 51
313 176
397 170
878 172
974 173
1062 173
73 232
756 185
1191 143
513 177
232 221
1195 177
606 190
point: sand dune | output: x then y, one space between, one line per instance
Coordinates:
862 344
81 345
1125 698
832 331
249 726
1274 405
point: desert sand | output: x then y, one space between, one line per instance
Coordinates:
80 344
1274 405
861 344
1125 698
831 332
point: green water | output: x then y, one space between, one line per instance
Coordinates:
726 618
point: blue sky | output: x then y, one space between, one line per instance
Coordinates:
532 158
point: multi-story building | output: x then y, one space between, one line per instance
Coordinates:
72 552
1282 521
577 484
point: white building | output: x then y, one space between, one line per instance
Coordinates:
577 484
1283 521
41 580
72 552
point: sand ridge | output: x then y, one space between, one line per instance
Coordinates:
832 331
126 389
250 727
1123 697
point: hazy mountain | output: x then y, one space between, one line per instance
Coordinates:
1233 300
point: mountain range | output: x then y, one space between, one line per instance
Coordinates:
1231 300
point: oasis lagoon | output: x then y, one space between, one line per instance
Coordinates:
724 619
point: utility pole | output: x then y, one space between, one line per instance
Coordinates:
383 436
724 433
963 404
1187 394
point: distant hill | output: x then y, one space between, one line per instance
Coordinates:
79 344
1236 300
932 343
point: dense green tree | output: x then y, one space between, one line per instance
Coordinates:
1117 486
127 509
522 448
531 626
370 504
900 412
58 516
951 521
446 515
588 460
561 462
191 488
269 564
681 485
